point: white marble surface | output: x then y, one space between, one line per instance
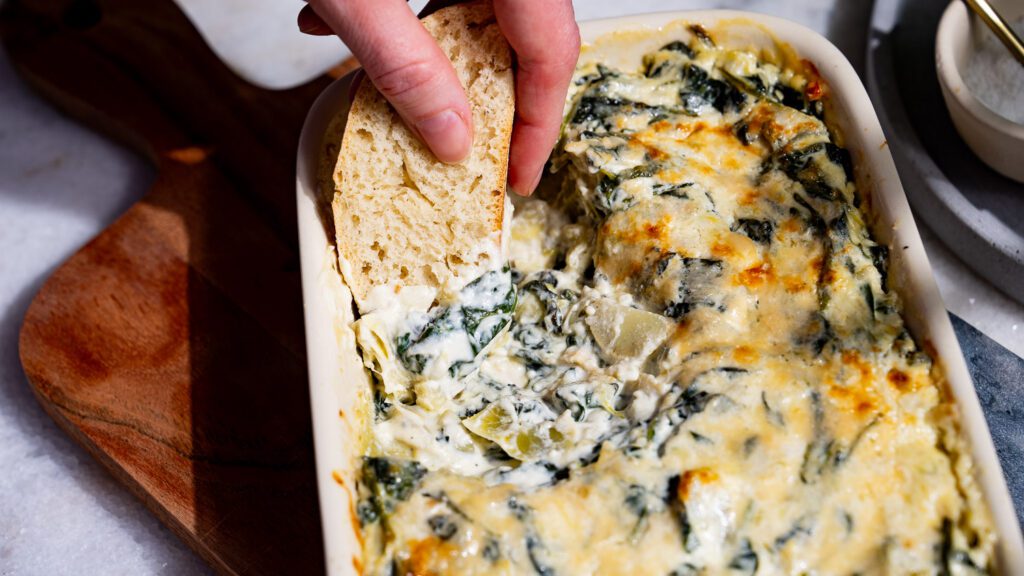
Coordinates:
60 513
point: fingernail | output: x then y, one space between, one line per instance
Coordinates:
447 135
519 190
529 187
315 27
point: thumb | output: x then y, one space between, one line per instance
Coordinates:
408 68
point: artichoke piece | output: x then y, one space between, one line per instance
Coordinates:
378 356
491 423
500 425
606 395
623 332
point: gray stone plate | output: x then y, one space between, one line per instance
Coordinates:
977 212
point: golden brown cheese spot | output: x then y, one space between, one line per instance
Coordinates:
731 163
755 276
692 477
794 284
745 355
430 556
853 359
657 231
854 399
664 126
722 250
640 231
901 381
749 197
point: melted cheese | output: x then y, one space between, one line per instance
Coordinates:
693 366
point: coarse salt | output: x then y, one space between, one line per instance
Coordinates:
995 77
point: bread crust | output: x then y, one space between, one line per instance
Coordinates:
402 217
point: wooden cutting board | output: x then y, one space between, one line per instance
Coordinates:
171 346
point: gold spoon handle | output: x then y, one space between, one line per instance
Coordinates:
999 27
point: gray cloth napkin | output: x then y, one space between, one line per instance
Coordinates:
999 379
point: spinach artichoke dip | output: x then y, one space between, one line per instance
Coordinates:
692 363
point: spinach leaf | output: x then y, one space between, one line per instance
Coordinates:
673 190
679 513
690 401
759 231
773 416
485 308
596 112
745 559
678 46
700 90
805 166
814 220
687 569
701 35
797 100
880 258
367 512
490 301
636 502
443 323
610 197
817 332
694 279
821 452
601 73
544 286
802 527
388 482
443 526
533 550
492 550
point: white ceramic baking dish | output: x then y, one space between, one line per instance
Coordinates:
335 372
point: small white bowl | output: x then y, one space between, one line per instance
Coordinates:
997 141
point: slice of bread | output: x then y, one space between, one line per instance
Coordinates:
401 216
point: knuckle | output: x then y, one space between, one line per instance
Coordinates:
572 40
405 79
570 47
558 53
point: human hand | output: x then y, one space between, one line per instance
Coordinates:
402 60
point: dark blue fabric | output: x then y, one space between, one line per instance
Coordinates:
999 379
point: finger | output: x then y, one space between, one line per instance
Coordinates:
405 63
310 23
546 41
